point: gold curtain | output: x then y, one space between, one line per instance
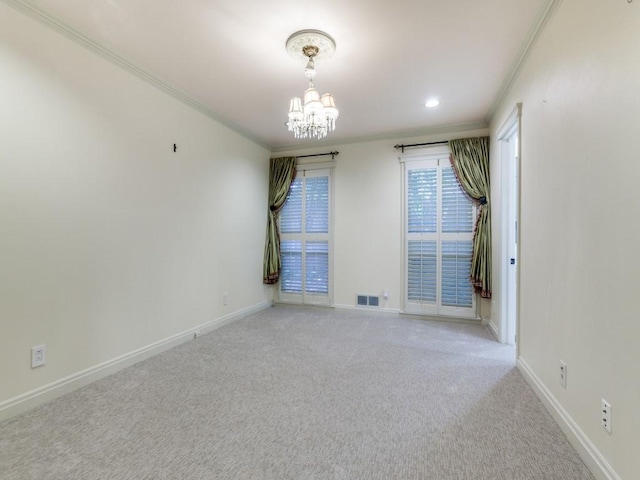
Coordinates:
282 171
470 161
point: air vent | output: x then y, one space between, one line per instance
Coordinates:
363 300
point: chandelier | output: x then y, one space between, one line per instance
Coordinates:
313 115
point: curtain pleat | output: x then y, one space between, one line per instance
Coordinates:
282 171
470 161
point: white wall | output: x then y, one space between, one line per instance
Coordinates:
368 216
110 241
580 228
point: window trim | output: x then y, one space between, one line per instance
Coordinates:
429 154
313 169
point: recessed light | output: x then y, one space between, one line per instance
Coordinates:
431 103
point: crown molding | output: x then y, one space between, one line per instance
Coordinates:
55 24
393 135
546 12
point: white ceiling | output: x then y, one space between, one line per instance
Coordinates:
229 56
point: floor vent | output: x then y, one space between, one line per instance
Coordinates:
367 300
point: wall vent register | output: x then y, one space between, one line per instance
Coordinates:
367 300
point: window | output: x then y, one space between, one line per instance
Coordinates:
438 235
305 222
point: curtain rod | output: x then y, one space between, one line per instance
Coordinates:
418 145
333 155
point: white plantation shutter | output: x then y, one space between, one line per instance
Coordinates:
305 222
439 224
317 205
317 267
422 271
291 213
457 290
291 257
457 209
422 204
457 218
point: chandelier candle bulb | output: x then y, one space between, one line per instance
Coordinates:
313 115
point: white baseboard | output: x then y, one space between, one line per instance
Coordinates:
26 401
590 455
397 312
367 309
494 330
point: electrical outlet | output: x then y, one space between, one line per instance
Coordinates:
606 415
225 299
38 356
563 374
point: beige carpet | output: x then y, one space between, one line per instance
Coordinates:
295 393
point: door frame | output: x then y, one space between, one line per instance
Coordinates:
510 173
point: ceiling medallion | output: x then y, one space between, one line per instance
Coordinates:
312 116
